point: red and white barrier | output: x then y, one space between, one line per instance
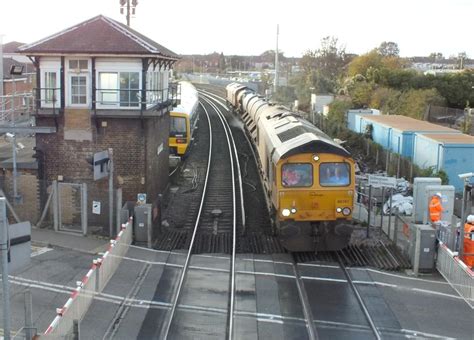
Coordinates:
102 270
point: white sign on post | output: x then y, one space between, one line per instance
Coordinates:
382 181
96 207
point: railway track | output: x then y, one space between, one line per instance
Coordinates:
217 214
361 302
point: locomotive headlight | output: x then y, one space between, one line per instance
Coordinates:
293 210
339 210
286 212
315 158
346 211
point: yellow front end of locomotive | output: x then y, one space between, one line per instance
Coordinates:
318 187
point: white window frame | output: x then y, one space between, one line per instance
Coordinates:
118 72
57 102
99 103
71 104
78 73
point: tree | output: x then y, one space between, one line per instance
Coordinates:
321 70
222 64
330 59
413 103
360 65
389 49
338 109
435 56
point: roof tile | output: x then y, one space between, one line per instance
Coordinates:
99 35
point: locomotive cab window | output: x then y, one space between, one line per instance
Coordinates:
297 175
177 126
334 174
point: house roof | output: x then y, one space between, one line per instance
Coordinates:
7 64
404 123
11 47
98 36
451 138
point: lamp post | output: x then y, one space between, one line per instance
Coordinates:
2 106
11 137
5 281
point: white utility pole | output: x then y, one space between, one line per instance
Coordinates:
2 106
276 80
5 282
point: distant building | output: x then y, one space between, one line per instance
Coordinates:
16 102
100 85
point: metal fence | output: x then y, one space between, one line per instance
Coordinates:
93 283
81 206
456 273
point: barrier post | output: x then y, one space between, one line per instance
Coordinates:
29 329
370 210
395 229
75 330
381 214
149 228
55 189
416 264
84 208
118 209
111 193
453 236
97 275
390 214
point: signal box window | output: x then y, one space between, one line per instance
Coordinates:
297 175
177 127
334 174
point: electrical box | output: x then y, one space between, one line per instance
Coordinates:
420 201
142 223
426 252
447 201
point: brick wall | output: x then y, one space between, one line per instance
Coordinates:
137 166
28 188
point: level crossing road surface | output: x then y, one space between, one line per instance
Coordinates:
51 277
136 301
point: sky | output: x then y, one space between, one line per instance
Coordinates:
248 27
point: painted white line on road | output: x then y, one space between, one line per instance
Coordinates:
318 265
399 276
311 278
220 270
40 251
382 284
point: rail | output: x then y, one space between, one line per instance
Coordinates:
193 238
360 300
232 147
312 332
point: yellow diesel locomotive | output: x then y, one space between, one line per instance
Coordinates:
308 178
183 118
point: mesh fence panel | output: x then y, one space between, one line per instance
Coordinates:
456 273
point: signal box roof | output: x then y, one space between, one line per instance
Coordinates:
98 36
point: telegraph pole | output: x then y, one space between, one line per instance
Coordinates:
2 106
125 8
6 284
276 80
